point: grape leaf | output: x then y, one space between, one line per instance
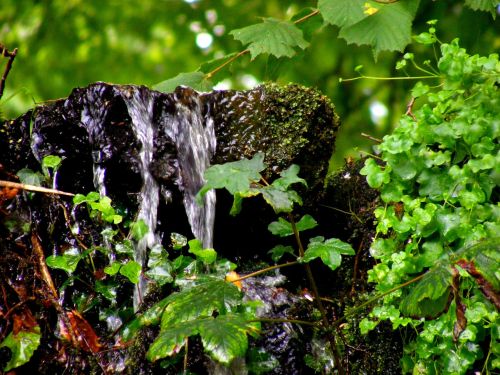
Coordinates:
200 300
484 5
274 37
384 27
342 12
22 347
195 80
329 251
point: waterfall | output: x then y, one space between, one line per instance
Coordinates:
194 137
140 108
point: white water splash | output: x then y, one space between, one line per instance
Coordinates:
195 140
140 109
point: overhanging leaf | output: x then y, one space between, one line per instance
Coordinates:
67 262
342 12
429 297
484 5
280 200
275 37
201 300
283 227
195 80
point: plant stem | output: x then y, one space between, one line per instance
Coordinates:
264 270
330 335
389 78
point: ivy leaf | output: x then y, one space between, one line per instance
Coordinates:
278 251
195 80
139 229
51 161
283 228
235 176
429 297
329 251
113 268
22 346
28 177
201 300
66 262
90 197
207 256
275 37
131 270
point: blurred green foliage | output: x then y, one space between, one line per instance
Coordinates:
70 43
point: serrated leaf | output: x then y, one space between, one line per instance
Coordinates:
278 251
22 346
342 12
429 297
170 341
207 256
388 29
279 199
201 300
66 262
329 251
225 337
234 176
195 80
131 270
288 177
484 5
283 227
274 37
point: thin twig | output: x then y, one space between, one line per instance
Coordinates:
371 138
28 187
330 335
11 55
267 269
409 109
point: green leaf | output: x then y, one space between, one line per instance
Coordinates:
225 337
207 256
342 12
125 247
131 270
329 251
22 346
234 176
51 161
139 229
195 80
108 290
309 25
283 228
278 251
113 268
484 5
200 301
28 177
178 240
429 297
67 262
288 177
210 65
275 37
388 28
90 197
375 175
280 200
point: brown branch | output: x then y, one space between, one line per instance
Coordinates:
39 189
409 109
11 55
